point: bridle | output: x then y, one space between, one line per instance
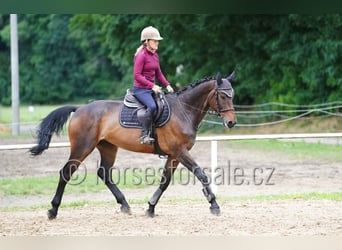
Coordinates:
227 91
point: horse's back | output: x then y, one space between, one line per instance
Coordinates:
99 108
90 116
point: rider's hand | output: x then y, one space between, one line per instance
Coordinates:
169 89
156 89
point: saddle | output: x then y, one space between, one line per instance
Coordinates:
132 111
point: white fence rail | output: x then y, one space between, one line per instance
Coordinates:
268 136
205 138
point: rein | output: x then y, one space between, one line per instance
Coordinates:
220 110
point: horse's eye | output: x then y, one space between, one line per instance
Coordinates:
224 96
228 93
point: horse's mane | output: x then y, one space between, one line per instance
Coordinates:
195 84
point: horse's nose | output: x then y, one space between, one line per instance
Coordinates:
231 124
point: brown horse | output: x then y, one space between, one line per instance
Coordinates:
96 125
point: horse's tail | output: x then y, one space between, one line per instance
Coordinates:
52 123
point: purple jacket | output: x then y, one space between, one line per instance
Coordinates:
147 69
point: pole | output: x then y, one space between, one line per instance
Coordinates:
213 166
15 74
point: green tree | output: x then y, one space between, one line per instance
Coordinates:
72 58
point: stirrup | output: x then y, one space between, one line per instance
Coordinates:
146 140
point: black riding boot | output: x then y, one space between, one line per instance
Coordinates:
146 128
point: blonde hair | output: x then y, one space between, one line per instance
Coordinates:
143 44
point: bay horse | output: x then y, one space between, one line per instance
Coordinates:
96 125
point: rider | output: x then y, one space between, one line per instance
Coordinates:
146 70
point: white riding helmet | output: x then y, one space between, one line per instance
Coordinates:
150 33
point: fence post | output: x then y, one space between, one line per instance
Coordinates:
213 165
15 74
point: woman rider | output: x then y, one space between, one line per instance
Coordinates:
146 71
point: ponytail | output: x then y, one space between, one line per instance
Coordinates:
143 44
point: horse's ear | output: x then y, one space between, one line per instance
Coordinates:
230 78
219 78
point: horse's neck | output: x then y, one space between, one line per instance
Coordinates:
195 102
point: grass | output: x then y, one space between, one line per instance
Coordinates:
48 184
130 178
297 150
26 113
45 185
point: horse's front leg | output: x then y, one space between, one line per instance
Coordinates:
186 159
169 168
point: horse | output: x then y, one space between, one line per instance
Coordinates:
96 125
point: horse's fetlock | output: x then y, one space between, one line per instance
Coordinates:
155 197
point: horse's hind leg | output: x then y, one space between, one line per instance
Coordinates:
108 154
169 168
64 176
78 152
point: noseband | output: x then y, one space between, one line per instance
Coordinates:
226 91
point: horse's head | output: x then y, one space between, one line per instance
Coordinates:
222 100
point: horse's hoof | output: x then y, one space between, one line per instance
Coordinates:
51 214
215 211
126 210
150 213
